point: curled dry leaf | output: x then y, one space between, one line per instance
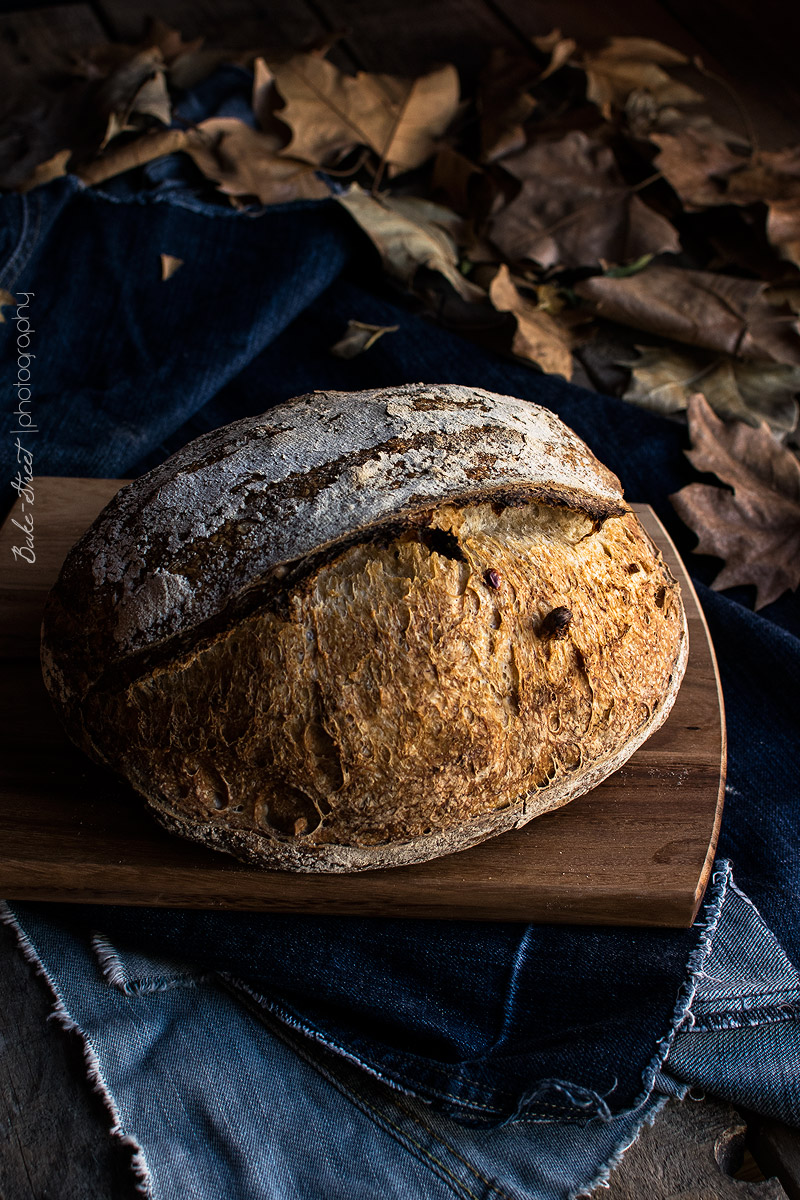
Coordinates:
538 337
718 312
329 112
169 265
628 64
664 378
410 233
358 337
756 527
133 154
575 210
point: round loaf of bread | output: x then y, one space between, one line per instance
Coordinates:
364 630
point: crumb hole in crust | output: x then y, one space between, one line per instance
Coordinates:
290 813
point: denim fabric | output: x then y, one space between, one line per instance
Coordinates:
219 1099
263 1114
474 1018
741 1038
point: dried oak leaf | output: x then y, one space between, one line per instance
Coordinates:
358 337
628 64
664 378
538 337
575 210
756 527
718 312
329 112
410 233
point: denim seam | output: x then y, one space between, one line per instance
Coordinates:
357 1097
572 1113
26 242
750 1019
62 1017
294 1022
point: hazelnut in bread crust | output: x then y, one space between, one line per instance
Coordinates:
364 630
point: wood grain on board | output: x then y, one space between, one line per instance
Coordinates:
635 851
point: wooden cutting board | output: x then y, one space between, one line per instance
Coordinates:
635 851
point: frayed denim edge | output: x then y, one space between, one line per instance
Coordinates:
682 1014
60 1014
603 1176
720 879
115 975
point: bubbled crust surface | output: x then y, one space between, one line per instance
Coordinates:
403 706
179 546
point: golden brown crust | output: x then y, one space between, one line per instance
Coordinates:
432 691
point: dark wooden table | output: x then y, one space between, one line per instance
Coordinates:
54 1143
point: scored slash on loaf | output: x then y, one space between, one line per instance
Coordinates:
363 630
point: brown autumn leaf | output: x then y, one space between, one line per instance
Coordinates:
263 94
664 378
6 299
169 265
359 337
245 162
133 92
410 233
538 337
628 64
504 103
695 163
559 48
240 160
53 168
718 312
756 527
504 99
705 172
575 210
329 112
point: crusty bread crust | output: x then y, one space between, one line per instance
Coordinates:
477 630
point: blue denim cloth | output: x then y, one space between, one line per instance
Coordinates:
263 1112
474 1019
